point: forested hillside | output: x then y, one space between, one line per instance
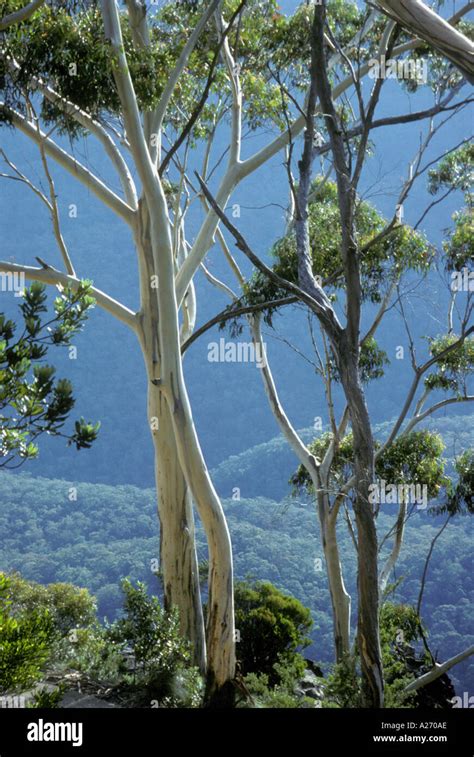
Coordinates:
110 532
264 470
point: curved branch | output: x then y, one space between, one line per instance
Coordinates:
100 133
437 406
412 391
49 275
418 19
227 315
438 670
321 306
66 161
160 110
23 14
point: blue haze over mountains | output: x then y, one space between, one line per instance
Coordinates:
228 401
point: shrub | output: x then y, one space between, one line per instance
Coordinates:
272 627
25 642
162 673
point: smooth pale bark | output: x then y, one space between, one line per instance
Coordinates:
178 557
340 599
165 371
418 19
391 560
439 670
220 612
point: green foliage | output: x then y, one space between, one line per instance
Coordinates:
413 458
31 401
400 629
272 627
455 170
452 369
49 541
67 605
280 695
44 699
25 642
77 641
459 245
90 651
392 254
372 360
463 494
60 37
460 494
161 655
343 685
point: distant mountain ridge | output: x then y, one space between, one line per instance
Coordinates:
264 469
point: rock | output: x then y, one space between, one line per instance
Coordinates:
88 701
310 686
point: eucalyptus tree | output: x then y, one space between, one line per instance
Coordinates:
147 84
335 243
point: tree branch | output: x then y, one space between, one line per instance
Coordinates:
49 275
418 19
438 670
23 14
70 164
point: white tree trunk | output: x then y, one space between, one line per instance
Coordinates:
178 557
340 599
166 370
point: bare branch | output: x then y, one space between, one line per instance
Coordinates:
438 670
23 14
79 171
49 275
418 19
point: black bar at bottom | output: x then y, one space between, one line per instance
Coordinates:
152 731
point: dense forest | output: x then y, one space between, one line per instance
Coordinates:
107 533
